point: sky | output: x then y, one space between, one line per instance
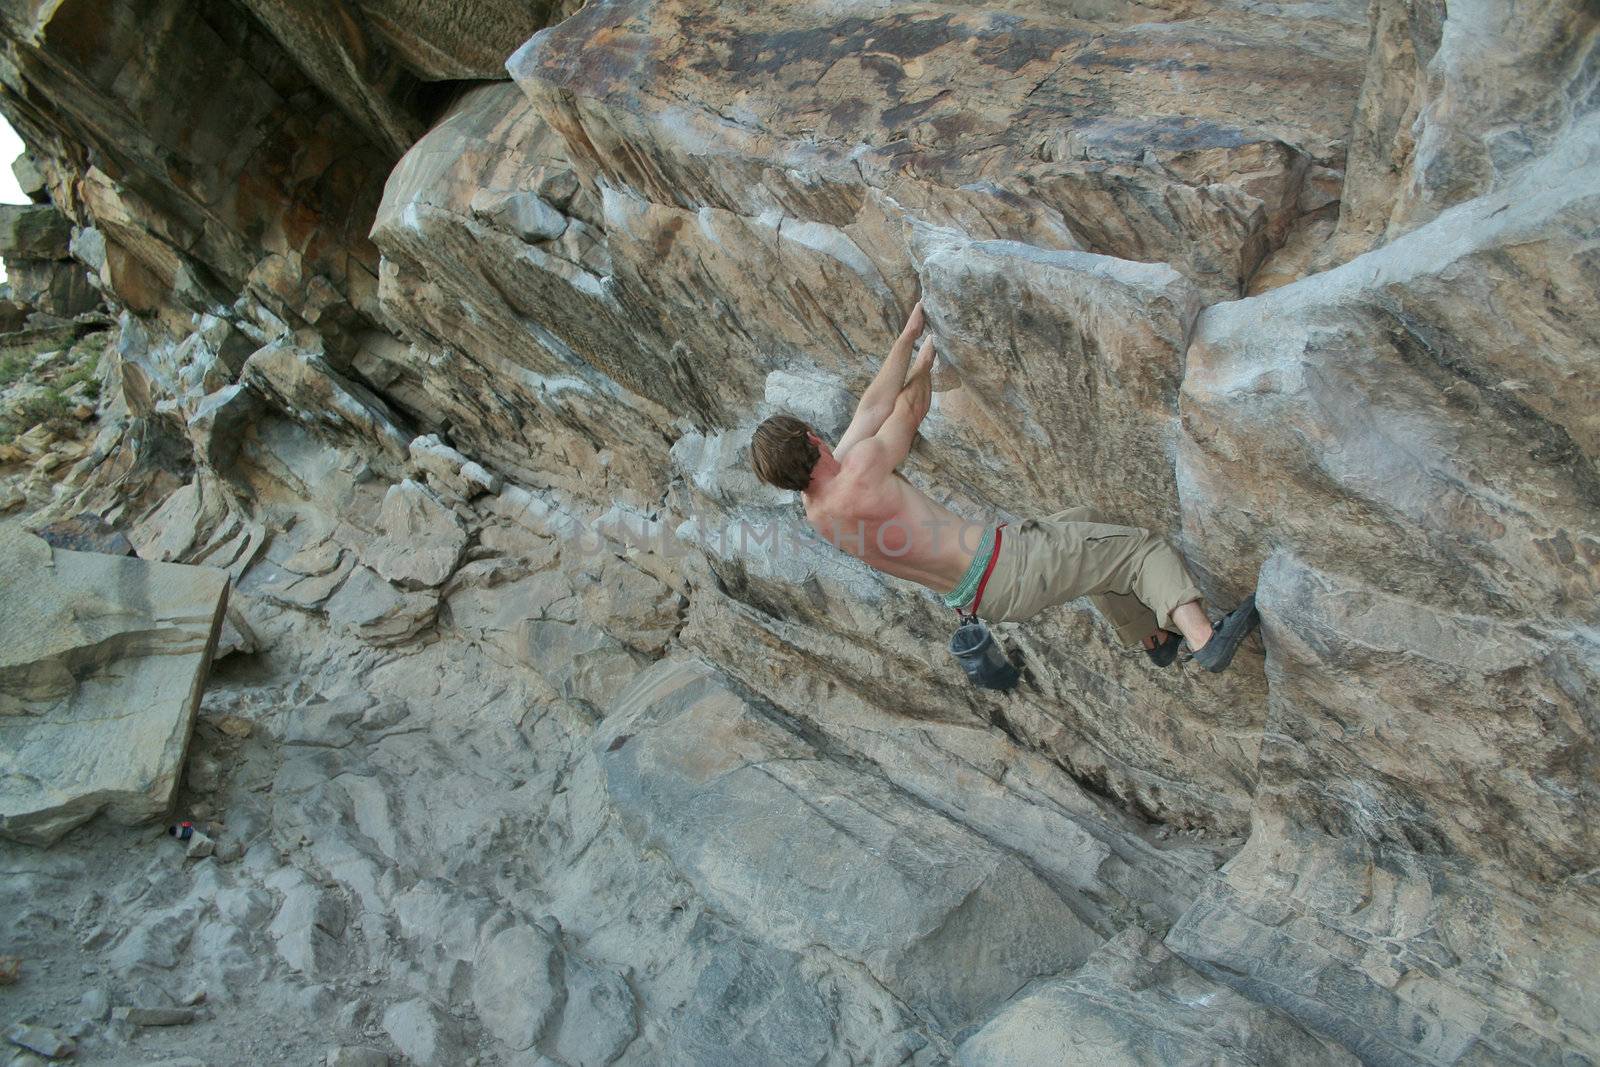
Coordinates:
10 191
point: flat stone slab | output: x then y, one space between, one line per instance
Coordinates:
101 668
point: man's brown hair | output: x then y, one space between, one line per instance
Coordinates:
781 453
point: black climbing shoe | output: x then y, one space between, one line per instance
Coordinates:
1228 635
1165 652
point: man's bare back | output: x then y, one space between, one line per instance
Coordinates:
887 522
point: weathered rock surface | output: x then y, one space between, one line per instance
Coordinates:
684 755
1455 101
419 538
516 985
1132 1003
100 676
556 746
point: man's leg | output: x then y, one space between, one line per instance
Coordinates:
1091 558
1157 575
1191 621
1134 622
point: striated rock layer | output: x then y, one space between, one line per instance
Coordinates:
559 744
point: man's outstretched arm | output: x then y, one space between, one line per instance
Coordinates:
878 401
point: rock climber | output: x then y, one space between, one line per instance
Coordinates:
856 498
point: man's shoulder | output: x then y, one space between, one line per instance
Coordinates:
840 502
865 467
863 452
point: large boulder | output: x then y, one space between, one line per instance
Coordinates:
218 168
1416 492
33 231
1402 453
101 672
1406 956
519 342
1153 290
1034 124
1456 98
419 540
694 277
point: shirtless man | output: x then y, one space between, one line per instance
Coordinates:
855 497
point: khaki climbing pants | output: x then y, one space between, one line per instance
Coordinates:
1132 576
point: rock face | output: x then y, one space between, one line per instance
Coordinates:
683 753
559 743
101 674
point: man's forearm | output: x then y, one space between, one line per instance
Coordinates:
886 384
878 399
917 393
900 428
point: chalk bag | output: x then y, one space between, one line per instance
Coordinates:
980 655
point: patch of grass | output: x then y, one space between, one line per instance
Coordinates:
81 377
13 365
41 407
83 372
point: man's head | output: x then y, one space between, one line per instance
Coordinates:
784 451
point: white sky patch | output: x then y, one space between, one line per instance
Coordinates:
10 191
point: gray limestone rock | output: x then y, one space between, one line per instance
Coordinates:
825 404
30 179
136 1016
449 471
526 215
419 540
598 1018
356 1056
516 985
300 382
1338 932
308 925
86 532
426 1035
95 1004
40 1039
33 231
378 610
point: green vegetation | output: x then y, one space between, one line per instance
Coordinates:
83 360
13 365
83 372
41 407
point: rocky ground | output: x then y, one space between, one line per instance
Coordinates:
501 840
418 378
